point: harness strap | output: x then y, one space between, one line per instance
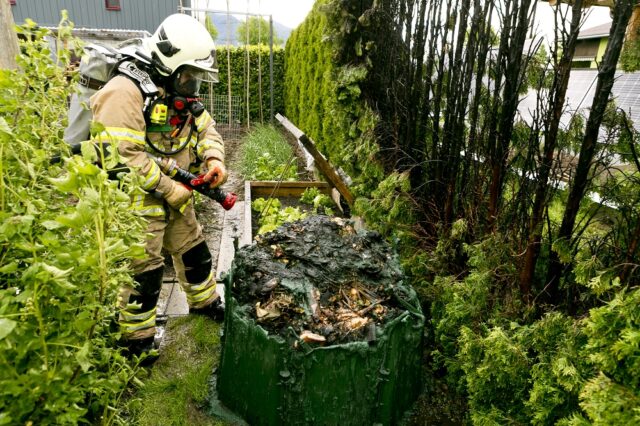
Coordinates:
91 83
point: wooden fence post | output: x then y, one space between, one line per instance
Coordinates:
8 37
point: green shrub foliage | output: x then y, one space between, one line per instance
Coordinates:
612 396
65 236
554 370
394 93
325 100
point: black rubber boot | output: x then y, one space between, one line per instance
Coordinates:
138 348
214 310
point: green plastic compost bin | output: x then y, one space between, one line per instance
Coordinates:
267 381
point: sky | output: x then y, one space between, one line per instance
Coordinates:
544 18
290 13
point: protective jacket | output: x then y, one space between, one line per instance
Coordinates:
119 107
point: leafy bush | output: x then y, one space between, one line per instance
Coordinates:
66 235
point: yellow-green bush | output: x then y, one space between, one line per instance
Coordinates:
66 237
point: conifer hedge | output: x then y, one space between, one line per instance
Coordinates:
257 54
324 100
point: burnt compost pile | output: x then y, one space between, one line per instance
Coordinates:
321 282
319 329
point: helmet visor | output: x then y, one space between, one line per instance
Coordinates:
187 81
210 66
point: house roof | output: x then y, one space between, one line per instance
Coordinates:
595 32
581 91
106 33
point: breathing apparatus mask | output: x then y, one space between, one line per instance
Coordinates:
186 81
183 86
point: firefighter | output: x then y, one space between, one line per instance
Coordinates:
175 125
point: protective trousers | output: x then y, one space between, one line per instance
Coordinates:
180 235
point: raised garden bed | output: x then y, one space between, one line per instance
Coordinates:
288 193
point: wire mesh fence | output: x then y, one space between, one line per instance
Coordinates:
228 117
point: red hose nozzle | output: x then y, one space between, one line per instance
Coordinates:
229 200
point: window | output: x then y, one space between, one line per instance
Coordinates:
112 4
587 48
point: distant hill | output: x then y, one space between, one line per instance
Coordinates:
220 22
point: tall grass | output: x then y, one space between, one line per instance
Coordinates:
266 155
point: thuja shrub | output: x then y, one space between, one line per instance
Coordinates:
612 396
517 369
524 374
66 237
324 98
474 299
557 370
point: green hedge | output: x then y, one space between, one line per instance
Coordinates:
309 88
238 56
323 98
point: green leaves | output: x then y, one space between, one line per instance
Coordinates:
271 215
66 238
6 327
82 356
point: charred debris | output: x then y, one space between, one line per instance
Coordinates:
320 281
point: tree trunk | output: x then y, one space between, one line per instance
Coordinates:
606 75
559 91
513 74
8 37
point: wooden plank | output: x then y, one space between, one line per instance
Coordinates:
8 38
288 184
231 229
286 189
246 238
327 170
325 167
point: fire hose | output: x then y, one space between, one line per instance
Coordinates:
169 166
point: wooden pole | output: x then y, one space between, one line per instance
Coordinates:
271 68
8 37
229 67
321 162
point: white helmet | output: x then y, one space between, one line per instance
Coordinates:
183 41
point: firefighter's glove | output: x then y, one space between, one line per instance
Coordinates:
216 173
178 196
